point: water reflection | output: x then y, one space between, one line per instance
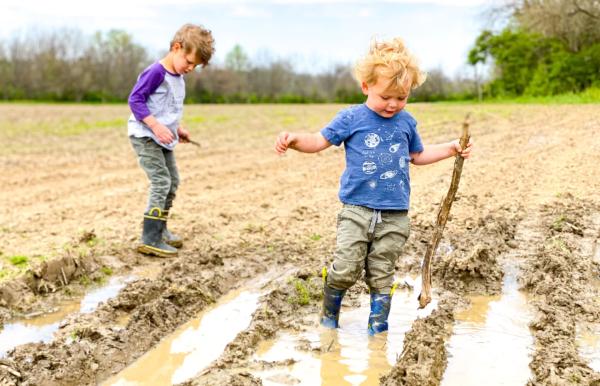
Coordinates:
491 339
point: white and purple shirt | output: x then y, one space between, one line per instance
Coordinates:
159 93
377 156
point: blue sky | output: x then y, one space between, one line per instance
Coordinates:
313 35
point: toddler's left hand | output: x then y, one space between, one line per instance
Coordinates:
184 134
466 153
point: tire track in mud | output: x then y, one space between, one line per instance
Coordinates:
89 348
559 271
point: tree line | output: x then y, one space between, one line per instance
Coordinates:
547 47
66 65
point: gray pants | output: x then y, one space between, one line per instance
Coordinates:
161 169
370 240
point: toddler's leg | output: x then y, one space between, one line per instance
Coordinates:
389 238
348 263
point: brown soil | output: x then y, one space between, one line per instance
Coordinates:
244 212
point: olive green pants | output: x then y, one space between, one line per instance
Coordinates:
368 240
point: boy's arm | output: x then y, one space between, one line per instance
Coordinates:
438 152
161 131
147 83
303 142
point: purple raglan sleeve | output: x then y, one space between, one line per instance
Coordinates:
147 83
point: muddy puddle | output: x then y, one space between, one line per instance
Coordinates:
345 356
483 335
41 328
194 345
588 341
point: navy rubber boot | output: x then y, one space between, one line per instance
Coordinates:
380 310
168 237
152 236
332 302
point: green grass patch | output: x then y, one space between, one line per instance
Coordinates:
18 260
85 280
316 237
106 270
302 295
590 95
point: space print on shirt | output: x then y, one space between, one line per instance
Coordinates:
377 152
383 163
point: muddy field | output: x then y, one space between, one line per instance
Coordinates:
72 196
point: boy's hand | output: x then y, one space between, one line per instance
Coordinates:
284 141
184 134
163 133
466 153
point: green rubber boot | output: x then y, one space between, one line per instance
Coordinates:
152 236
168 237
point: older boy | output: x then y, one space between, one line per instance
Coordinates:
154 129
380 139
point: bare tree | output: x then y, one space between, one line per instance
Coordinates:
575 22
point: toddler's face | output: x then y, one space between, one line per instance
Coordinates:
382 101
183 62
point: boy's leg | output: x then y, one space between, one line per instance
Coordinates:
170 238
174 174
151 159
348 263
389 238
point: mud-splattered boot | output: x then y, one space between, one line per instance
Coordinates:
152 235
332 302
168 237
380 310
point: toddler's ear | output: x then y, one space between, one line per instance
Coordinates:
364 87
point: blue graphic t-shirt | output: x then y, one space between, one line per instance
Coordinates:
377 156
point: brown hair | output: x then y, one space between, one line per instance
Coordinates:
390 60
195 39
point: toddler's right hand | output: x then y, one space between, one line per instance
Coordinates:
284 140
163 134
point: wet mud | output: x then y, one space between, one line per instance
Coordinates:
559 273
243 214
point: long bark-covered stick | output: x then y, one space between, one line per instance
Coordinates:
442 217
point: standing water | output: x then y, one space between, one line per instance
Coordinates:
193 346
491 337
344 356
43 327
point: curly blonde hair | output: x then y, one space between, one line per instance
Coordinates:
195 39
390 60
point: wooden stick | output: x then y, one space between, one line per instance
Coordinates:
194 143
442 217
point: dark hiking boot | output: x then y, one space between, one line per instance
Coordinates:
332 302
380 310
152 236
168 237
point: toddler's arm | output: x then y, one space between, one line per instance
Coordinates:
303 142
438 152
